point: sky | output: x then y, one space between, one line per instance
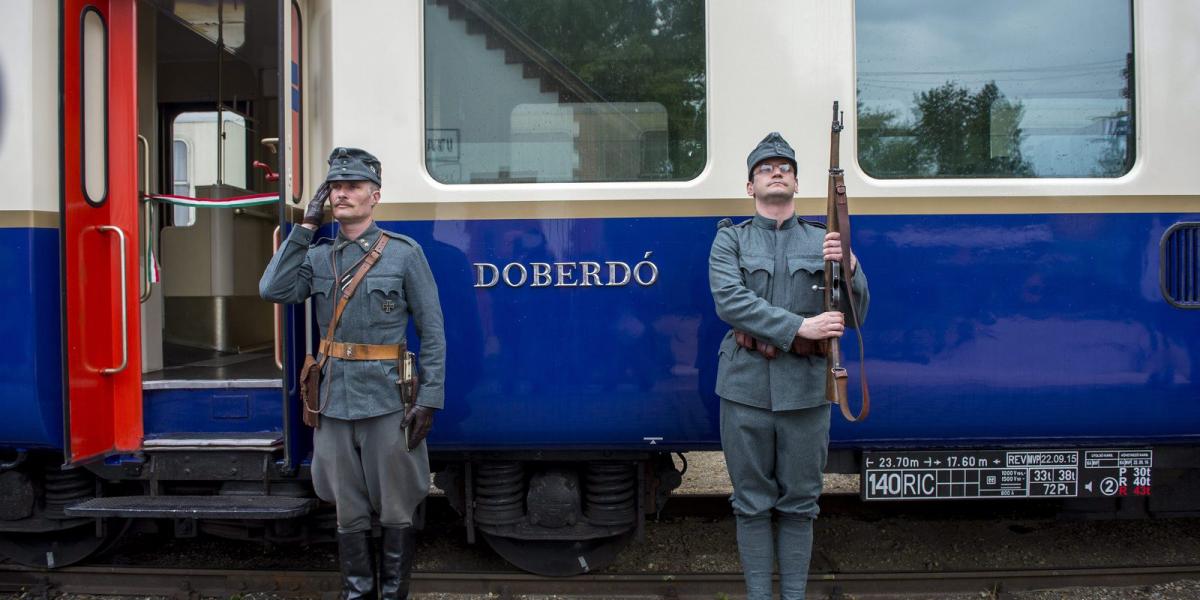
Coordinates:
1061 58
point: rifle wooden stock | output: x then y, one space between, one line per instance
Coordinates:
837 275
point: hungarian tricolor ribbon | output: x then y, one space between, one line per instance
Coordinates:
232 202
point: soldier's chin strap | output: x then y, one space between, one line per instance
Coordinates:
841 398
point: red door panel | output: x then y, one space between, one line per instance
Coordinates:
100 229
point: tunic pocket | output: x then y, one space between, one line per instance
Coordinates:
322 297
806 272
756 273
386 299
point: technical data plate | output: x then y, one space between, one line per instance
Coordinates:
964 474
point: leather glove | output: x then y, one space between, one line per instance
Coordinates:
418 420
315 214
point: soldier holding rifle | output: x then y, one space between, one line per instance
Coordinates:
766 275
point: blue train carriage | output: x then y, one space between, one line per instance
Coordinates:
1024 209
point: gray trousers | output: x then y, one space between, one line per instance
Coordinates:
364 467
775 462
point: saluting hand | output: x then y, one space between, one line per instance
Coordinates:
418 420
832 250
314 215
823 326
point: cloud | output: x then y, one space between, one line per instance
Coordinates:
1044 48
991 238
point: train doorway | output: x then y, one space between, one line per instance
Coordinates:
209 107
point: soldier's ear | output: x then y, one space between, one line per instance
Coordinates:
750 188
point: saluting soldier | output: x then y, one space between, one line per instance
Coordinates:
362 460
765 274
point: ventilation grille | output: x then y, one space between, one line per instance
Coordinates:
1180 265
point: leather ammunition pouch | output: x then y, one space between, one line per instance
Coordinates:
807 347
310 390
800 346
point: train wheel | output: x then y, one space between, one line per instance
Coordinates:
53 549
559 558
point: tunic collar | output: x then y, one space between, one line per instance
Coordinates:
368 238
769 223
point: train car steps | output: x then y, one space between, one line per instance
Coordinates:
194 507
269 441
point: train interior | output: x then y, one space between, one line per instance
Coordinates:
208 108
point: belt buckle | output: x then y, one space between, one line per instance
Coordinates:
349 350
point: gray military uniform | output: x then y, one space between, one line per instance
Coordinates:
360 458
774 416
762 279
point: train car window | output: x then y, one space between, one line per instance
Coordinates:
205 161
218 157
94 108
574 91
1024 88
181 216
181 181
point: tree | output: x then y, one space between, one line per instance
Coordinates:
960 134
886 148
954 133
630 51
1116 159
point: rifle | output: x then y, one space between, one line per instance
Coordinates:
837 274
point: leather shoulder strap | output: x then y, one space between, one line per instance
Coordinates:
369 261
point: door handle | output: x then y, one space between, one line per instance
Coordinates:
147 222
124 306
277 239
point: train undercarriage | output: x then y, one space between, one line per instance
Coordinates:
554 514
551 514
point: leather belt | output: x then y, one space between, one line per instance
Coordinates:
348 351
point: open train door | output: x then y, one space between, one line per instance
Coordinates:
102 352
293 339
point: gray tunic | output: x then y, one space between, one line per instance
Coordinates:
762 279
399 285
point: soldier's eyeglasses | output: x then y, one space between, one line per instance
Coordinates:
768 168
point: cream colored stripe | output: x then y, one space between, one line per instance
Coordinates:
46 219
554 209
28 218
984 205
587 209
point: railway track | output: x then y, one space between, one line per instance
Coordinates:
190 584
717 505
832 578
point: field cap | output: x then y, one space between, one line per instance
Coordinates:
354 164
772 146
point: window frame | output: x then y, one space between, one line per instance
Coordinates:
701 172
1133 153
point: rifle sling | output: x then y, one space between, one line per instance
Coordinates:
843 224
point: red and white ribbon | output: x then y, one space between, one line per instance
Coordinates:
232 202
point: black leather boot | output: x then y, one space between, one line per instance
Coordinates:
357 564
395 562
